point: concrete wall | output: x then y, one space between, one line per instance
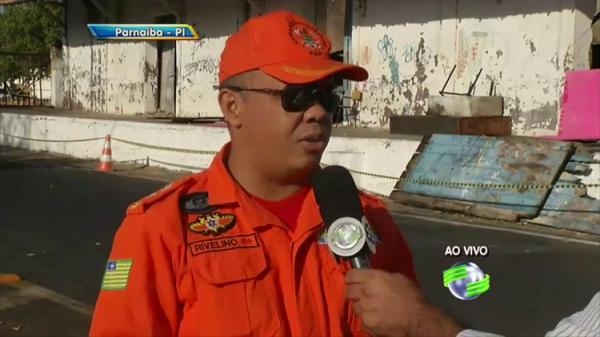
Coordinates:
596 26
408 46
330 18
57 81
77 59
106 76
583 34
376 156
120 77
198 61
524 46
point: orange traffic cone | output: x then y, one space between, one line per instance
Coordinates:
106 157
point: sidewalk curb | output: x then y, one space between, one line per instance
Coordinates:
455 219
462 220
39 292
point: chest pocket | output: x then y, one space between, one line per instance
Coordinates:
236 293
335 273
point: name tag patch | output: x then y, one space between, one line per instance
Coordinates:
224 243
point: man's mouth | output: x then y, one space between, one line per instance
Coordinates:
316 137
314 143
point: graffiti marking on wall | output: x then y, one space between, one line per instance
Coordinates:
386 48
387 54
206 65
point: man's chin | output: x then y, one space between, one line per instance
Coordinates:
306 165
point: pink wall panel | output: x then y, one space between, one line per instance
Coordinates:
580 115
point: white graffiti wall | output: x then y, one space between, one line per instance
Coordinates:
523 46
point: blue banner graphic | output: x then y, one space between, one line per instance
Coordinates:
143 32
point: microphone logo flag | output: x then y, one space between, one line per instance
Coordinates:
346 236
372 238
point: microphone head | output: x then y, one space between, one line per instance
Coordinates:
341 210
336 194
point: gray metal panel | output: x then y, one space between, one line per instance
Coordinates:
483 160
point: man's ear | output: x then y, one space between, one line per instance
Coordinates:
230 106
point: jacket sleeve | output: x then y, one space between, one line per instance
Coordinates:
392 252
138 296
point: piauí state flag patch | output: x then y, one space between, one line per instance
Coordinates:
116 274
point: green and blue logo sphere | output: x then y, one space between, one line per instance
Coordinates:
466 281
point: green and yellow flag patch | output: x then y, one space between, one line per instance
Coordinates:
116 274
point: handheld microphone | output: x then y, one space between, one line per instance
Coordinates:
341 210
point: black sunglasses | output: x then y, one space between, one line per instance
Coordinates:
299 98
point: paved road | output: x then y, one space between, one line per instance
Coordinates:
57 224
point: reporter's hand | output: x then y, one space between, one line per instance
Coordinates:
392 305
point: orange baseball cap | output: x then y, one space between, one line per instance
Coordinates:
285 46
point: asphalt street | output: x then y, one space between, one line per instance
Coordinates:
57 225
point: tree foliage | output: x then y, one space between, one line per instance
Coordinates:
27 32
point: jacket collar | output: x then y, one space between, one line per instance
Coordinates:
224 190
220 184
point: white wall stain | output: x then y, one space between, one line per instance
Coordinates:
378 156
198 61
197 76
409 48
116 77
409 55
125 80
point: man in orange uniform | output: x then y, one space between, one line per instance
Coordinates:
236 250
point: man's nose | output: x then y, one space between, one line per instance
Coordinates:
317 113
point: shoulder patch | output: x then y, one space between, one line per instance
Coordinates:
116 274
196 203
142 205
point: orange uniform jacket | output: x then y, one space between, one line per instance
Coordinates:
231 268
